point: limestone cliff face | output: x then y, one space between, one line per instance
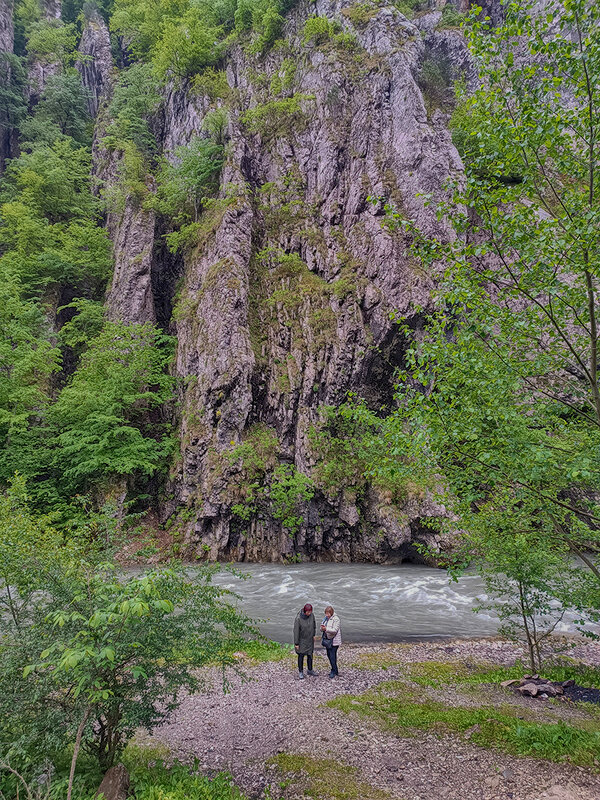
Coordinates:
284 302
7 35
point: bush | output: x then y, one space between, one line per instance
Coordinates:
319 30
103 652
276 116
451 18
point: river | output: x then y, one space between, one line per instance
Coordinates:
375 603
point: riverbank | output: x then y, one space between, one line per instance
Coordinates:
383 728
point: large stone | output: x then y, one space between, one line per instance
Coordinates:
115 784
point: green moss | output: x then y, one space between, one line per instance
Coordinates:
326 779
395 707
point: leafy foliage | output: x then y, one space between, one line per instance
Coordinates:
80 642
102 417
186 183
61 112
502 397
50 41
13 106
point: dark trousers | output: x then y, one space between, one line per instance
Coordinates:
301 661
332 656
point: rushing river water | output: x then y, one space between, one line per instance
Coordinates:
375 603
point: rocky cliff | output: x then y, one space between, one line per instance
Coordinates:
283 303
6 48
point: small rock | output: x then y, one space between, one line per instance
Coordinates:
568 683
493 782
510 682
508 774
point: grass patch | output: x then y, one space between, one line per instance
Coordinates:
261 652
326 779
439 673
396 707
443 673
152 779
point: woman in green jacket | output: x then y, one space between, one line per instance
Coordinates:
305 628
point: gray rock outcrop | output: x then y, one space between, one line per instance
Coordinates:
7 35
284 303
95 66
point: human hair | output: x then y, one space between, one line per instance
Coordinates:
330 608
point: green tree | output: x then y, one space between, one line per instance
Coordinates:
27 360
105 422
51 41
499 407
187 45
134 99
13 106
61 112
92 655
193 177
48 222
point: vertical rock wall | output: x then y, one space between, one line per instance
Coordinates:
284 303
7 35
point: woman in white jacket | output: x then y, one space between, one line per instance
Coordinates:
332 638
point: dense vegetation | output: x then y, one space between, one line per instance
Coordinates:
499 406
497 409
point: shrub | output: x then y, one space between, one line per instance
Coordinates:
451 18
104 653
319 30
276 116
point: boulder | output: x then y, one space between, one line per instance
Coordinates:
529 689
115 784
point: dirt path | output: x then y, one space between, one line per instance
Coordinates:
275 713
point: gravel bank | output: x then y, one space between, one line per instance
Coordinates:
274 712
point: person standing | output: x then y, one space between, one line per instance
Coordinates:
332 638
305 629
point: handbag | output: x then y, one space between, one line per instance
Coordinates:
326 641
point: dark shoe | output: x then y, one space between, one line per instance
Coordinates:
301 676
312 672
332 674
